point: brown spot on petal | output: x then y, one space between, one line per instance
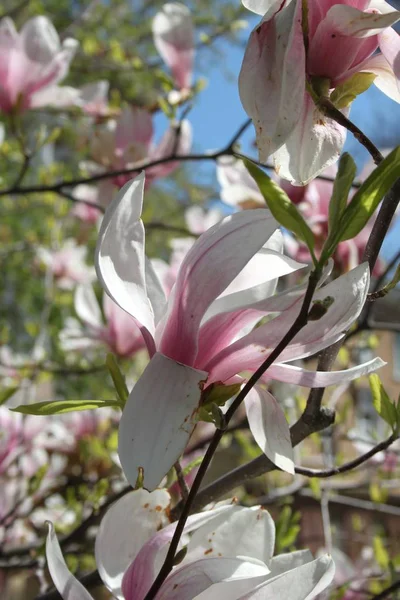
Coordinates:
158 508
208 551
146 505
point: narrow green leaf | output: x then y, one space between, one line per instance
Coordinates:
280 205
58 407
341 188
218 393
344 94
382 403
368 196
6 393
118 378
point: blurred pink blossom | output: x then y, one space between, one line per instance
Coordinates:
32 63
67 264
173 36
118 332
119 144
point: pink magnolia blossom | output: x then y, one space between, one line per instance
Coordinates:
203 334
122 143
67 264
119 333
32 63
229 555
343 38
174 39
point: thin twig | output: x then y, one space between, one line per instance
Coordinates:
349 466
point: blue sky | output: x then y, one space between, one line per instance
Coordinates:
218 113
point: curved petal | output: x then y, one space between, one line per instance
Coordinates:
316 379
243 531
158 419
269 427
304 582
210 266
134 131
86 306
389 43
348 293
125 528
385 79
286 562
140 575
349 21
263 7
314 144
232 576
272 78
120 258
67 585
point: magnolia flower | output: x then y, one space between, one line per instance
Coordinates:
122 143
93 98
342 40
119 333
174 39
32 63
229 555
67 264
203 334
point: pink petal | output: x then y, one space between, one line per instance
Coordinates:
173 36
210 266
158 419
272 78
349 21
134 130
175 141
349 293
269 427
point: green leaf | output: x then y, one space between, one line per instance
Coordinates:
344 94
59 407
341 188
382 403
281 206
218 393
36 480
118 379
380 553
6 393
368 196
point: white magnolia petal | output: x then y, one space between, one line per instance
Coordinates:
67 585
269 427
262 272
196 580
155 290
316 379
158 419
304 582
125 528
262 7
291 560
350 21
272 77
314 144
385 80
86 306
242 532
120 258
